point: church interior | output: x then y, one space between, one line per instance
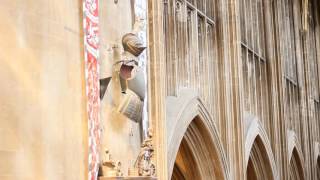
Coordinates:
160 90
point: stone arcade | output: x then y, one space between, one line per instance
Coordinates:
160 89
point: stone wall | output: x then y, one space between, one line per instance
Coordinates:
120 135
43 124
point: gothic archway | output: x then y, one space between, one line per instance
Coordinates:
317 160
258 166
295 156
259 159
189 165
184 166
193 142
318 168
296 172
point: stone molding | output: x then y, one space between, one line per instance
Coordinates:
294 144
180 112
253 130
316 151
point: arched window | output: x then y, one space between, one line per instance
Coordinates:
191 48
254 58
313 56
292 39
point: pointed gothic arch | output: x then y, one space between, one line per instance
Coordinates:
317 159
193 137
296 169
295 157
318 168
259 158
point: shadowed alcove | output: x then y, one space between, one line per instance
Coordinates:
185 164
259 166
296 170
196 157
318 168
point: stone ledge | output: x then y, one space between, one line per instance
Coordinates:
128 178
